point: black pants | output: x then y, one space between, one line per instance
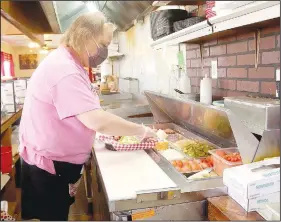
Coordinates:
46 196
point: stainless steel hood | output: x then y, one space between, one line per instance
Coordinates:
220 126
121 13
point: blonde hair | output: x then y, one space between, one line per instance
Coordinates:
84 29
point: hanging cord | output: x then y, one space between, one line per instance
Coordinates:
103 6
257 48
202 58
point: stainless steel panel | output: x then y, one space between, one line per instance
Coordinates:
257 114
246 142
153 195
209 121
195 211
269 145
221 126
121 13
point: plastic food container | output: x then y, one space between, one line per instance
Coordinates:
220 164
184 169
171 154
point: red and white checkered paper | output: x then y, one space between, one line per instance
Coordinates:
127 147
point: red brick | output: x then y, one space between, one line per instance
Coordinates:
214 83
194 89
267 42
206 71
188 63
192 46
219 92
206 52
198 55
191 54
213 42
252 45
227 61
271 57
237 47
248 59
191 72
237 73
244 36
278 41
270 30
218 50
261 72
236 93
268 88
196 63
247 86
221 72
208 61
227 84
227 39
195 81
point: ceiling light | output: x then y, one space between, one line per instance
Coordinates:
33 45
91 6
44 51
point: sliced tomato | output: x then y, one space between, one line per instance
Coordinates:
220 153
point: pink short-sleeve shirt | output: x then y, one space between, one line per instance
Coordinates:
59 90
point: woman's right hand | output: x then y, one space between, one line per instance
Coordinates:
149 132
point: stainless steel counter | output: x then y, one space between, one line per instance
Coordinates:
126 107
193 120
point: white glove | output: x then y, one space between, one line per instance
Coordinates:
149 133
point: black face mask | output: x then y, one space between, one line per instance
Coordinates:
99 57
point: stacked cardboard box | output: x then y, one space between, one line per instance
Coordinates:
254 185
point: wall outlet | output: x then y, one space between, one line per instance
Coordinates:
277 74
214 69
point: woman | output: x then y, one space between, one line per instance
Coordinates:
60 117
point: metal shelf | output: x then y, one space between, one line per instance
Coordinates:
186 2
185 35
255 15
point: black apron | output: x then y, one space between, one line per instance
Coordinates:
46 196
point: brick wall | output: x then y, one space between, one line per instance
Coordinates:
235 56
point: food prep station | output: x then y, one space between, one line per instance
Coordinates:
145 185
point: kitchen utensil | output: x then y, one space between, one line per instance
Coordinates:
178 91
190 96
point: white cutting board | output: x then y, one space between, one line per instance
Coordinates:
126 172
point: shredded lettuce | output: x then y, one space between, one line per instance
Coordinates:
129 140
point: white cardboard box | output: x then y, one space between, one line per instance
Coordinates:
254 179
271 212
256 203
